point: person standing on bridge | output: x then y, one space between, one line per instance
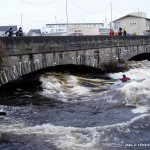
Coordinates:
19 32
10 32
124 32
120 31
111 32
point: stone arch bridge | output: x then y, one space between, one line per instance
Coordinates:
28 54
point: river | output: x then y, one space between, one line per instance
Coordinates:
78 111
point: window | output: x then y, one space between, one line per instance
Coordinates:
51 26
52 30
117 25
60 29
132 24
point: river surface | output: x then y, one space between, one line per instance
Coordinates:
78 112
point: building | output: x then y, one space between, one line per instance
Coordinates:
3 29
35 32
72 28
104 31
134 23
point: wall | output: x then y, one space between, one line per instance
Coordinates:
85 30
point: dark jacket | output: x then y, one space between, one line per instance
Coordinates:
10 32
19 32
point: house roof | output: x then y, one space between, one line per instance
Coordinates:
5 28
131 15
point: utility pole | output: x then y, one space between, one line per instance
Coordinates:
83 26
21 20
138 21
56 25
67 13
110 16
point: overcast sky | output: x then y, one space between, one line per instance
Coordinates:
36 13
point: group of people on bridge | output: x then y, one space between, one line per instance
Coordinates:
10 32
120 32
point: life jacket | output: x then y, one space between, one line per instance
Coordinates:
125 79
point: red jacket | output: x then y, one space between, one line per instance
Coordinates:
125 79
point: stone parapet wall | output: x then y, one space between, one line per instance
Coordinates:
43 44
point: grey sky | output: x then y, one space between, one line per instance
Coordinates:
37 13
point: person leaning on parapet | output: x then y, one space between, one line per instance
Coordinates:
111 33
10 32
120 31
19 32
124 32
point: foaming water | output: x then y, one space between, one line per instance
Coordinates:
79 112
62 87
101 137
137 91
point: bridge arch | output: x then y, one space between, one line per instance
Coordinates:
140 57
29 54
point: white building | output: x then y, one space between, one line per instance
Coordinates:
67 29
134 23
34 32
